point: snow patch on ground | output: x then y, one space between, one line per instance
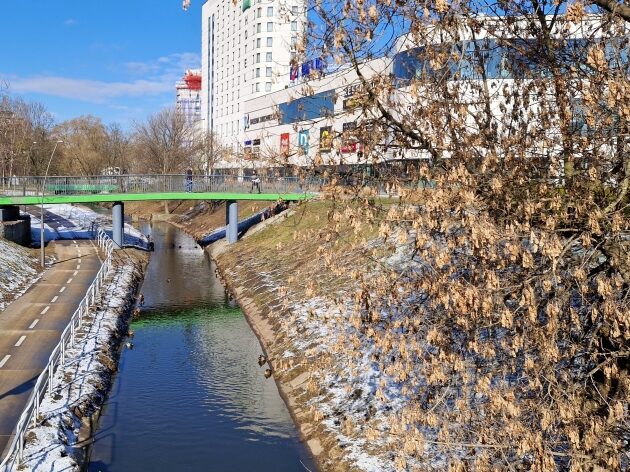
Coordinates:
354 394
78 222
17 271
356 400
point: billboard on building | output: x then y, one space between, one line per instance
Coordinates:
303 140
325 138
284 144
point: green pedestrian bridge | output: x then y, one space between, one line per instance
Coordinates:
118 189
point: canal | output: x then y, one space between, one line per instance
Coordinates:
190 394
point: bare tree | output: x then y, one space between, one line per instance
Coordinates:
209 151
85 146
164 142
25 129
118 148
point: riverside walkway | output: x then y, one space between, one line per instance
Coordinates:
31 326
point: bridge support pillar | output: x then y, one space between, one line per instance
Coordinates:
231 220
9 212
118 223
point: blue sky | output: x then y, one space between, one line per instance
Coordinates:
115 59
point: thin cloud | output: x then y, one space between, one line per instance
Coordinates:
88 90
166 65
149 78
70 22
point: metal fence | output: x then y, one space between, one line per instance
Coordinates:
139 184
46 381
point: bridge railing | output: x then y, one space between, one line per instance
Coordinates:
46 381
155 183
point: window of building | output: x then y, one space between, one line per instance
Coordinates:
258 42
258 28
270 26
269 11
259 12
269 57
293 42
257 57
257 87
257 71
268 72
267 86
269 42
294 9
307 108
294 26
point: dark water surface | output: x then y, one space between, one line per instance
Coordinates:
190 395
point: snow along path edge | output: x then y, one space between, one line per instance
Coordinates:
84 382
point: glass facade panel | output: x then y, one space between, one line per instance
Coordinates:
307 108
488 59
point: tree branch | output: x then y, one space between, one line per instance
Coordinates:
615 8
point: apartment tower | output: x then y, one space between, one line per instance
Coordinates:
247 47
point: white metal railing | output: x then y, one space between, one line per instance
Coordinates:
46 381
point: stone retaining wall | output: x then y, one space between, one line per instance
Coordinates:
17 231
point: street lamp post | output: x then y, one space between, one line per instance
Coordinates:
41 232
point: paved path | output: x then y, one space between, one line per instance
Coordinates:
31 326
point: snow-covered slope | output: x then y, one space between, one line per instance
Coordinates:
17 271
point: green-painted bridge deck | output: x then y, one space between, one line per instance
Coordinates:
137 197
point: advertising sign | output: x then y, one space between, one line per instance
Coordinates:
284 144
303 140
325 138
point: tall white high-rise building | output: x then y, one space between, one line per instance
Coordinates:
247 47
188 97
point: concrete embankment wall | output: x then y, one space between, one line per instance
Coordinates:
18 231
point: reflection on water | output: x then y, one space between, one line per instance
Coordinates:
190 395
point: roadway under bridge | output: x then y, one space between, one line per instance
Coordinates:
129 188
